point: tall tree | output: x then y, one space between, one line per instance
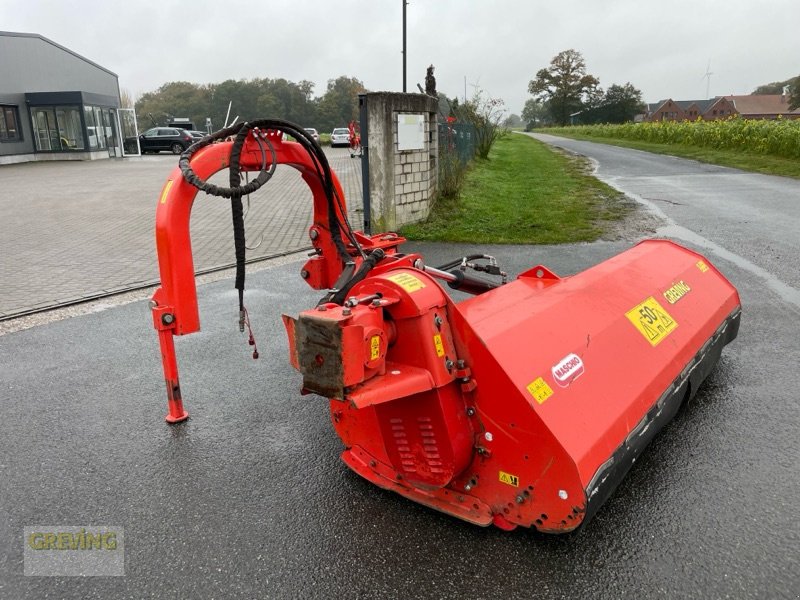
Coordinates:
339 105
794 93
534 114
565 86
619 104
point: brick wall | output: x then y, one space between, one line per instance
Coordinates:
402 183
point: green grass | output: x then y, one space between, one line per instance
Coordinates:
738 159
525 193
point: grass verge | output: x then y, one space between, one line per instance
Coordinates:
746 161
525 193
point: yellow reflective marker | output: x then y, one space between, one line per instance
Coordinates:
652 321
164 193
702 266
407 281
540 390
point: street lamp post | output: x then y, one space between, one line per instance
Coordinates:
404 45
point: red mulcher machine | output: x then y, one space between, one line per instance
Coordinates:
524 405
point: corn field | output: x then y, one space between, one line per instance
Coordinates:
780 137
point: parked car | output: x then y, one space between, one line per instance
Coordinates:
173 139
196 135
340 137
313 133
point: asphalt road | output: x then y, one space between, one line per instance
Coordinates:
249 499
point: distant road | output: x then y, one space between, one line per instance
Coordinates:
749 219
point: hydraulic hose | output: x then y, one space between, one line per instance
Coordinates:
236 190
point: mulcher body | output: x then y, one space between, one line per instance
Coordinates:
524 405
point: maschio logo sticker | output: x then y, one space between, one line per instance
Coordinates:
568 370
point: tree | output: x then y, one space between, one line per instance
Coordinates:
565 86
339 105
794 93
512 120
126 98
174 99
485 114
619 104
534 114
622 103
776 87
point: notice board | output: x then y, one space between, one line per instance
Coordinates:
410 131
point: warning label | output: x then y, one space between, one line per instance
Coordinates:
407 281
509 479
652 321
540 390
437 342
374 347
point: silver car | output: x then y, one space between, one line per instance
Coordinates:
313 133
340 137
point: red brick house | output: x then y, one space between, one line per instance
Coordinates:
719 108
665 110
767 106
763 106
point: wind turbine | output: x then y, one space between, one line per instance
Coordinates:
707 77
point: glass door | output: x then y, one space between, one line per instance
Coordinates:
44 120
129 132
112 139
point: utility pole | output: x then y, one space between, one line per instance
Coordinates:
404 45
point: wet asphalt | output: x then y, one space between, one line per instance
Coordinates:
248 498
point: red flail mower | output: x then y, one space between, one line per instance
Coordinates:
524 405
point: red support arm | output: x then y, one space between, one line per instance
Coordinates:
175 302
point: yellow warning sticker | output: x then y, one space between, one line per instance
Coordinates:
509 479
164 193
374 347
437 341
407 281
540 390
652 321
702 266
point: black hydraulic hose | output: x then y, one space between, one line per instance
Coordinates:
236 191
240 131
339 296
454 263
324 172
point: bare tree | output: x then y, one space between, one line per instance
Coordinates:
126 99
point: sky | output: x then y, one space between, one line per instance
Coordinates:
662 48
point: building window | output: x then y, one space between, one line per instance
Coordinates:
57 128
9 128
69 127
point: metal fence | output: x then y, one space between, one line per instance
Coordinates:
456 149
457 141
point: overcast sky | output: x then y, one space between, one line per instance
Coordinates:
662 48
